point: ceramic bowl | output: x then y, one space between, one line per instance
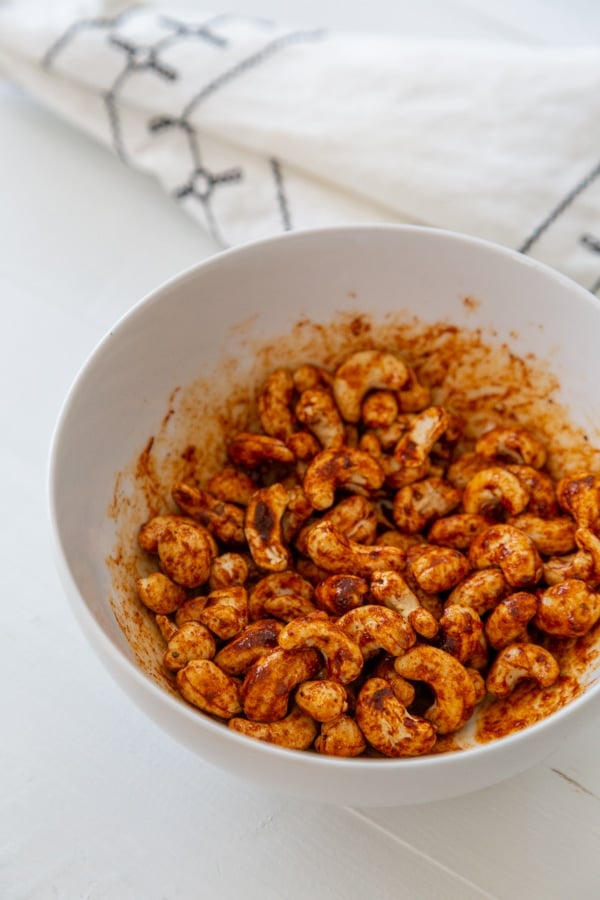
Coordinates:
151 402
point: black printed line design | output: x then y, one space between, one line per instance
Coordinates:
282 201
592 243
560 208
82 25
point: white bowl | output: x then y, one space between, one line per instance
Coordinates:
216 330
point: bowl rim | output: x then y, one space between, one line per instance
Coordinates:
128 669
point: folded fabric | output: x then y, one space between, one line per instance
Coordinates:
255 127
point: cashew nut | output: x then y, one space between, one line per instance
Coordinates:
379 409
448 679
296 731
568 609
461 471
231 486
333 551
410 459
203 684
225 520
390 589
387 725
226 611
507 623
343 657
417 504
481 590
281 594
490 489
556 535
263 528
589 544
511 550
579 495
340 737
297 512
461 632
150 532
330 469
190 610
457 531
337 594
403 689
360 373
251 450
308 376
542 496
160 594
322 700
192 641
186 551
316 410
374 628
255 641
438 568
512 445
275 404
269 681
355 516
227 570
423 622
519 662
413 396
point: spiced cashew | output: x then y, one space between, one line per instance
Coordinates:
337 594
390 589
255 641
360 373
251 450
507 623
438 568
450 682
410 458
481 590
519 662
579 495
512 445
224 520
492 488
461 633
283 595
186 551
296 731
333 551
160 594
263 528
275 404
511 550
387 725
226 611
418 504
343 657
192 641
203 684
317 411
269 681
323 700
330 469
550 536
567 609
374 628
340 737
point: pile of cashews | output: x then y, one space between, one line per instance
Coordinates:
355 581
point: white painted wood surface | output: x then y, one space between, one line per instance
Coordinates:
95 801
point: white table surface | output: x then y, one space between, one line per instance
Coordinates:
96 802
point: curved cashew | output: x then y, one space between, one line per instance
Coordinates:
478 684
330 469
393 538
390 589
410 458
556 535
455 696
507 623
160 594
316 410
424 623
150 531
438 569
251 450
542 495
297 512
190 610
308 376
281 594
511 550
403 689
186 551
333 551
226 611
254 642
337 594
225 520
343 657
490 489
461 471
296 731
387 725
191 641
568 609
231 486
275 404
512 445
374 628
413 396
461 632
322 700
589 544
481 590
269 681
203 684
227 570
579 495
360 373
417 504
340 737
305 447
457 531
572 565
518 662
379 409
263 528
355 516
389 436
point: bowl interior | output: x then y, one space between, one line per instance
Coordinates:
180 371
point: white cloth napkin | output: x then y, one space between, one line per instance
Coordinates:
255 127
